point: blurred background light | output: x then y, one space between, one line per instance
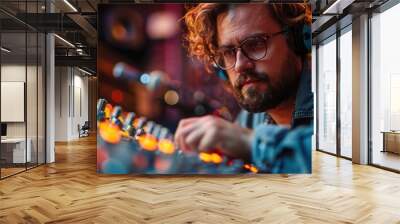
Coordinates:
162 25
171 97
117 96
145 78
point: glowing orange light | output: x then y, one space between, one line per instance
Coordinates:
162 164
205 157
148 142
215 158
107 110
125 134
251 168
110 132
121 118
171 97
166 146
136 122
119 32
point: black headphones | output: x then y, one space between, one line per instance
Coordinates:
299 38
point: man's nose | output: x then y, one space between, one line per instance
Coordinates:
243 63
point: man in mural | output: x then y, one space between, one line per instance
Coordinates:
263 51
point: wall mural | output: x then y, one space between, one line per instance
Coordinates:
204 88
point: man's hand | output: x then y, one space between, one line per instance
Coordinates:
210 132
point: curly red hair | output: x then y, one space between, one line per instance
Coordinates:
201 38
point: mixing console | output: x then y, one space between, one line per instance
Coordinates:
127 143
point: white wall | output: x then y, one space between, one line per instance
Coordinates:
80 110
33 126
61 103
13 73
71 102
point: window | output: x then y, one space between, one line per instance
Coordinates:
346 92
327 96
385 89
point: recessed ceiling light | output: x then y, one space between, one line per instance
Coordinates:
332 9
5 50
84 71
65 41
70 5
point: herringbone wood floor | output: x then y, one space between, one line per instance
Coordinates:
70 191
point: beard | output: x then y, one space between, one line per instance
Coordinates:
255 100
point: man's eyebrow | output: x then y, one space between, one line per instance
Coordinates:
226 46
254 35
243 39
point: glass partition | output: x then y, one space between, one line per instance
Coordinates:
13 105
22 88
327 95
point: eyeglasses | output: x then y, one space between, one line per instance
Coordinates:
255 48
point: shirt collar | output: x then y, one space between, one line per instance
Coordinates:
304 105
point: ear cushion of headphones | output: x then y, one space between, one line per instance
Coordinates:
301 38
307 37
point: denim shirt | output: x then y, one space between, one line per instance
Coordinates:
280 149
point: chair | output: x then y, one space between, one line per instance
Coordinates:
84 129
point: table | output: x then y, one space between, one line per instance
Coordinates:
391 141
17 150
